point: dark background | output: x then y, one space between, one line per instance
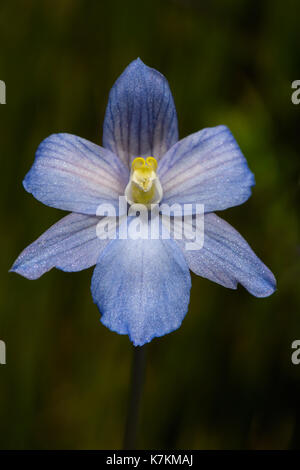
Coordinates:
225 378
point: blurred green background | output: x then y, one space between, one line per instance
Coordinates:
225 378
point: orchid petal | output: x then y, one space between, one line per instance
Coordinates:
226 258
142 288
73 174
70 245
207 168
140 119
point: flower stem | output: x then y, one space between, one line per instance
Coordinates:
135 394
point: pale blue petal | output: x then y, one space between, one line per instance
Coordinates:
140 117
142 288
227 259
73 174
70 245
207 168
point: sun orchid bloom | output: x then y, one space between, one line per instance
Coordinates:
142 286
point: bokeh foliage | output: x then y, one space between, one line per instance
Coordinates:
225 379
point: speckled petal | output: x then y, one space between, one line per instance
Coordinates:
227 259
140 119
73 174
207 168
141 288
70 245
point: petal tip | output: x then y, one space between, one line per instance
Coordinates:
135 64
17 268
138 60
270 288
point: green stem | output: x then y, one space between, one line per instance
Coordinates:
137 381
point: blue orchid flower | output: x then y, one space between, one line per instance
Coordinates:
142 286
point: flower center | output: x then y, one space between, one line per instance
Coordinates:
144 186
